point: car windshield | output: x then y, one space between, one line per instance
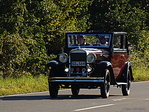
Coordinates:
88 40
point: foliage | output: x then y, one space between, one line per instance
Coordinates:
14 53
117 15
66 16
140 56
32 31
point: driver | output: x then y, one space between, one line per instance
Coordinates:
81 41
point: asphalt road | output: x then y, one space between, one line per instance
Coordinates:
87 101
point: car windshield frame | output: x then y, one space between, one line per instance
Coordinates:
92 40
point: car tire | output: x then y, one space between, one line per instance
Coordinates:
53 90
75 90
105 86
126 88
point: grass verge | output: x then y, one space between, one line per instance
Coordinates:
35 84
141 74
23 85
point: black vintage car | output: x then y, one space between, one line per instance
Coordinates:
92 60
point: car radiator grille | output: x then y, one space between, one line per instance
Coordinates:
80 63
78 57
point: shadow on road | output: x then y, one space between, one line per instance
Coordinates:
47 97
25 97
63 97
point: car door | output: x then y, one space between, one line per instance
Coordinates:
120 55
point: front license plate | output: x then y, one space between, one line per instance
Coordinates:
78 63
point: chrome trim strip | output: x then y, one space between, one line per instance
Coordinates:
121 83
76 79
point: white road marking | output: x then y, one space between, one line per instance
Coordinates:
94 107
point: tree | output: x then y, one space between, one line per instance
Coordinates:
23 48
37 26
117 15
31 29
59 17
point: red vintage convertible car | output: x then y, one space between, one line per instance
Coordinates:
92 60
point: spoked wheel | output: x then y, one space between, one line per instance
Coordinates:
105 86
53 90
75 90
126 88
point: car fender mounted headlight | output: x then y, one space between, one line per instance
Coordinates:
91 58
63 58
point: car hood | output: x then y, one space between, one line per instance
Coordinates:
90 50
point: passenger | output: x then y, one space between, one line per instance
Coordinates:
103 40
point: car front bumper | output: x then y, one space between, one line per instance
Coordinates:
76 79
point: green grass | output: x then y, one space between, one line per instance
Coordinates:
23 85
29 84
141 74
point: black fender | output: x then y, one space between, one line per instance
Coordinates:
128 67
53 63
104 65
124 75
132 78
56 68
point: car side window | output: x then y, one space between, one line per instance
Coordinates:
119 41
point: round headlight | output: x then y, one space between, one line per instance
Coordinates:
63 57
90 58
